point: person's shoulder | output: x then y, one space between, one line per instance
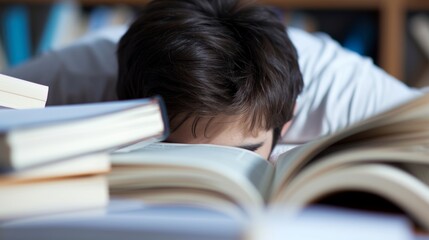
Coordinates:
84 71
309 42
111 34
341 87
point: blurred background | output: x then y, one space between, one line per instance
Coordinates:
394 33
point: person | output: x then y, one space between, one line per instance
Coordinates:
226 69
228 72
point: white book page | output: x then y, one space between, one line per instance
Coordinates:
28 117
16 101
245 168
23 88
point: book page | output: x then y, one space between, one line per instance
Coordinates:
403 156
57 196
407 165
403 125
23 88
16 101
56 114
96 163
384 180
20 94
241 175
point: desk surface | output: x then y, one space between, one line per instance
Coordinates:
126 220
132 220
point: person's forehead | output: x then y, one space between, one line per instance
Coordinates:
217 129
223 131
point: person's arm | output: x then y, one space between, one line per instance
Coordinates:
83 72
341 88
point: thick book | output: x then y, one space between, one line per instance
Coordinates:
97 163
385 156
20 94
32 137
53 188
48 196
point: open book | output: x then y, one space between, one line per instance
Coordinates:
386 156
20 94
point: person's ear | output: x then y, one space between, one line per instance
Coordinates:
285 128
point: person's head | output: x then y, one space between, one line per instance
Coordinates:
226 69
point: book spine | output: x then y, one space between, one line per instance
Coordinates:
98 18
16 32
51 27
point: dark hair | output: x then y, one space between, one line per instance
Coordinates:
211 57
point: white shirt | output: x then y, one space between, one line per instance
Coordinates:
341 87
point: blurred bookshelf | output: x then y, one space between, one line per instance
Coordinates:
392 26
387 20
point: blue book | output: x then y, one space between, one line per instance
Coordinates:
17 34
52 22
62 27
361 37
99 18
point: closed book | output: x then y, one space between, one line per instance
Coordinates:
53 188
23 199
20 94
37 136
97 163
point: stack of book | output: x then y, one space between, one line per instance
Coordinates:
54 159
